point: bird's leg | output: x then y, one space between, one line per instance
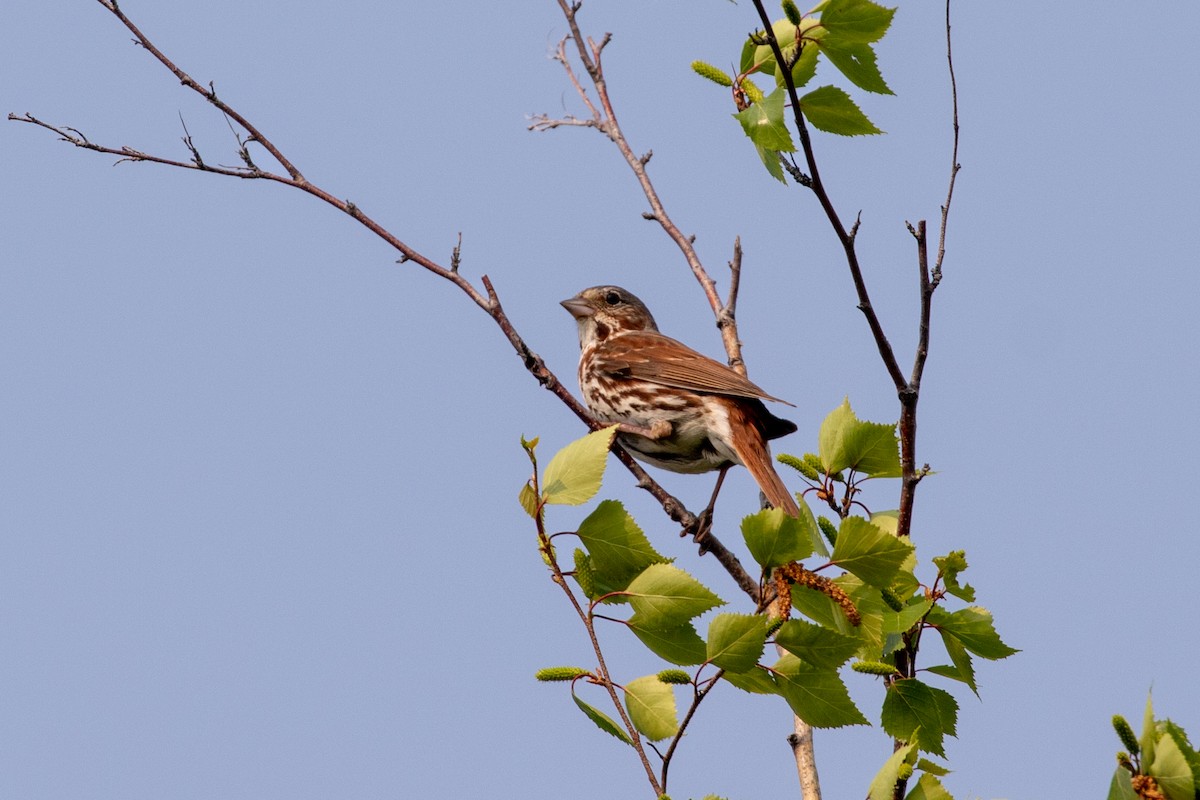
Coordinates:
704 521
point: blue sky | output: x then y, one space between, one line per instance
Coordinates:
260 536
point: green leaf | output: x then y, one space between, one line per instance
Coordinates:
602 720
884 783
651 706
1121 787
830 109
901 621
816 695
760 57
973 627
1192 756
528 499
573 476
949 566
666 596
1172 772
856 61
964 667
925 765
775 537
680 644
910 704
814 530
929 788
735 641
756 681
1149 737
870 553
619 550
816 645
856 20
846 442
806 65
765 125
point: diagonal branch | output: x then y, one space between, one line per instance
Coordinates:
487 300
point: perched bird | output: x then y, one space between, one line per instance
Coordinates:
678 409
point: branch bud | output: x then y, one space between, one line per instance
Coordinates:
675 676
706 70
1125 734
791 12
873 668
554 674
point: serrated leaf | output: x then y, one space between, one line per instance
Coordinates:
760 57
764 123
973 627
961 660
816 695
735 641
857 62
573 476
680 644
831 110
651 706
866 599
1172 771
771 160
666 596
602 720
901 621
528 499
929 788
619 550
883 786
910 704
756 681
816 645
846 442
775 537
870 553
856 20
925 765
1185 746
949 566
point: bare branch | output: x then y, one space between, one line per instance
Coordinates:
588 51
488 300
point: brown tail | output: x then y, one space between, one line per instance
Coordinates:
752 449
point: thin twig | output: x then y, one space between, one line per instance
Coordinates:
818 187
489 302
589 54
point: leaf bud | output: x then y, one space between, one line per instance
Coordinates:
791 12
828 529
675 676
1125 733
873 668
706 70
904 771
1125 763
800 465
555 674
892 599
753 93
584 575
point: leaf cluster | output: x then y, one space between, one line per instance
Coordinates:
1159 763
843 32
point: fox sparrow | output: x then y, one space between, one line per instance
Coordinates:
677 409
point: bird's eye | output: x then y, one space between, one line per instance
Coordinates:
612 298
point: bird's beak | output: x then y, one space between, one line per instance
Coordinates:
578 307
